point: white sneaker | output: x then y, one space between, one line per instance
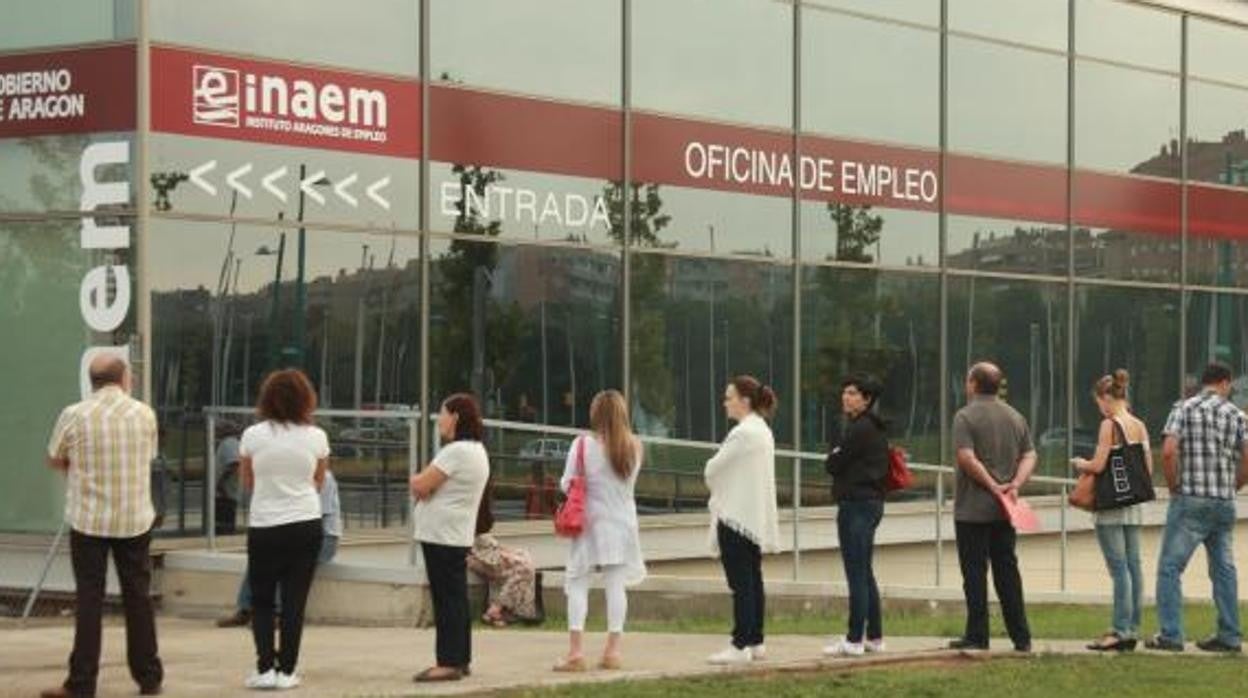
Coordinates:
872 646
287 681
731 655
758 653
262 682
844 648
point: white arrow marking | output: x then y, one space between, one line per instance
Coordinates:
232 180
340 190
198 180
272 177
306 186
377 186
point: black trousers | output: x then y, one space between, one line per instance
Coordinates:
447 569
981 544
856 523
743 566
89 555
281 557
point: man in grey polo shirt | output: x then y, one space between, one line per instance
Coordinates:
995 456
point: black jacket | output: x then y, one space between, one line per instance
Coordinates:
859 463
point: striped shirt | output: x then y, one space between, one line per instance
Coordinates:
1211 431
110 441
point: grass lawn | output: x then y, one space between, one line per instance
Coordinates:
1041 677
1053 622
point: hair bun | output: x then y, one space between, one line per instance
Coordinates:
1122 378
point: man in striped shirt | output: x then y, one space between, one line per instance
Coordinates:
105 446
1205 458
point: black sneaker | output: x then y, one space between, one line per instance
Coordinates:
965 644
1216 645
1164 644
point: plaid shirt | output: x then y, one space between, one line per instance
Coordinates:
110 441
1211 431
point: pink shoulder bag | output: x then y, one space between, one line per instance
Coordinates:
570 518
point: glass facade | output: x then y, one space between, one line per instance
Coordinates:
539 199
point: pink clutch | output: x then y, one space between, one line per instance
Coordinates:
1022 517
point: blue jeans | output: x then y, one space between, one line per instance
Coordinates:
1121 547
329 548
1191 522
856 521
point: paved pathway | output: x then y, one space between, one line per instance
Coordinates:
203 661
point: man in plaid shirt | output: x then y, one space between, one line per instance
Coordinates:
1205 458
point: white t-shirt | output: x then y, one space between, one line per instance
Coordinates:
449 516
283 458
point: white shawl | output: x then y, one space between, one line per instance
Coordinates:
741 477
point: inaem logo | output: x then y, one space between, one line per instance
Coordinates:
216 96
222 94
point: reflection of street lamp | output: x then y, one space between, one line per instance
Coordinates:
275 339
295 350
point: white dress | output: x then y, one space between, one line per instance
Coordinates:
611 534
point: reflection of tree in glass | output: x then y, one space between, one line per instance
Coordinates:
857 230
652 385
465 276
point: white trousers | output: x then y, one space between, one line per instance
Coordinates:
577 589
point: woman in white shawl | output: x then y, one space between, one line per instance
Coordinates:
744 521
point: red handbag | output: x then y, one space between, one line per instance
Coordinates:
899 476
570 518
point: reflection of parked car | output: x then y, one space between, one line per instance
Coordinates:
1053 442
546 449
368 434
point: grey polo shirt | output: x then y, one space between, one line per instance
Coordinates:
999 436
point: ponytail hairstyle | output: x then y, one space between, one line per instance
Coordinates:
608 418
1113 385
762 398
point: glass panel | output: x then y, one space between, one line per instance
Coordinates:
568 49
997 93
696 323
60 22
700 220
886 324
1135 329
42 270
42 173
1217 50
353 189
1126 120
989 244
725 59
1128 33
1217 155
922 11
383 39
1102 253
869 235
1021 326
1216 331
534 329
1037 22
855 72
225 304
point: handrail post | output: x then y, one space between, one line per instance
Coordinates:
797 520
210 477
1063 527
940 510
413 459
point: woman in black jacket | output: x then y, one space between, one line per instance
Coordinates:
858 466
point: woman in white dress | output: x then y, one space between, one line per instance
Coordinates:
610 542
744 522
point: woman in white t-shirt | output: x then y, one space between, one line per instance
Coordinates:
610 541
283 460
448 494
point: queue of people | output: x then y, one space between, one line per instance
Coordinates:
106 443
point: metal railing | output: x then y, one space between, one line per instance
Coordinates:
411 419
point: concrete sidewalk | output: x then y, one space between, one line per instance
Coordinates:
201 660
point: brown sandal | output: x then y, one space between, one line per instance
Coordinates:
610 663
570 666
439 674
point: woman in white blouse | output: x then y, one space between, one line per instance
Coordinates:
609 542
744 522
448 494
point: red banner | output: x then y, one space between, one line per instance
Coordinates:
217 96
88 90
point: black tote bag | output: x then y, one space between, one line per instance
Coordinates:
1125 479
